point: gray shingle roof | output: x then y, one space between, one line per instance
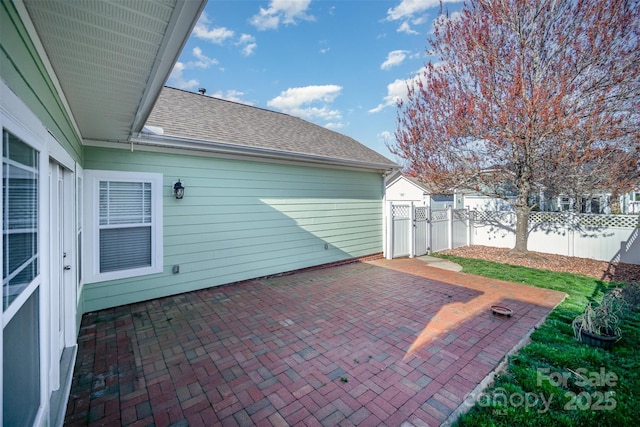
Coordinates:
193 116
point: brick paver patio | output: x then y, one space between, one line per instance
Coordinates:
371 343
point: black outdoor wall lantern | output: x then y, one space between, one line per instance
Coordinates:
178 190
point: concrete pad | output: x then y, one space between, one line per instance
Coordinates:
440 263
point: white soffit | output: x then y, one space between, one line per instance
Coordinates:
112 58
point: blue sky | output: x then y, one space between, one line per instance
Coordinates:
339 64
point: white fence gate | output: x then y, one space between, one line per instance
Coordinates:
417 230
421 230
401 229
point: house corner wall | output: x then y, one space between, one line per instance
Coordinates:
242 219
32 109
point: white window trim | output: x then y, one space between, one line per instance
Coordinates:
20 121
91 229
78 233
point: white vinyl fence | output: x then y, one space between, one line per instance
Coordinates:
416 230
602 237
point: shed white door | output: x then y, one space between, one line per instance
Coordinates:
401 230
421 230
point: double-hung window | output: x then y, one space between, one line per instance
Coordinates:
19 216
124 216
565 204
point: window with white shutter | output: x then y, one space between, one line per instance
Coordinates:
125 212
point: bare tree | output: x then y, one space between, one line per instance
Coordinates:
527 94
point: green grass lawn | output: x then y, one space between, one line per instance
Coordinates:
555 380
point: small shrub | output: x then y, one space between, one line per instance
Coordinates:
604 318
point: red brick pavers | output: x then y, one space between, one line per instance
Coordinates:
376 343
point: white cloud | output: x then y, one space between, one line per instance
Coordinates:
315 113
176 79
204 31
246 38
248 43
420 20
302 102
232 95
406 28
203 60
394 58
303 95
281 12
409 12
332 125
386 136
248 49
408 8
324 47
397 90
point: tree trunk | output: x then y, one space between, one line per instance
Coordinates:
614 203
522 230
522 213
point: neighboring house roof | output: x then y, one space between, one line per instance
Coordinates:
219 125
110 57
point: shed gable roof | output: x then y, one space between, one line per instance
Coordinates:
183 114
399 176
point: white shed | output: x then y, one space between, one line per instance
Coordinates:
401 188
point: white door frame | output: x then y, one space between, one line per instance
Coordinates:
61 312
62 291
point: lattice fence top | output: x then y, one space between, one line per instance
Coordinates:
564 218
400 211
439 215
460 214
589 220
494 216
420 213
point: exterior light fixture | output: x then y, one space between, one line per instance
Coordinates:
178 190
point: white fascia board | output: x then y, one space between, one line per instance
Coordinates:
183 20
398 178
402 177
253 152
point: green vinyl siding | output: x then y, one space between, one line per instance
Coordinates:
23 71
241 219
